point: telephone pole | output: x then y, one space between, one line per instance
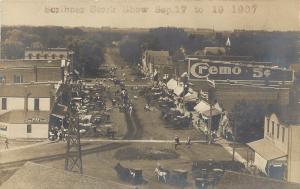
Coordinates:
211 99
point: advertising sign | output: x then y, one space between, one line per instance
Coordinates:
217 70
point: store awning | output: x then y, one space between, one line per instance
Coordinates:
214 112
58 116
202 107
171 84
178 90
266 149
218 107
76 72
59 111
191 96
86 117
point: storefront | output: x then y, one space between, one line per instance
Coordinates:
269 159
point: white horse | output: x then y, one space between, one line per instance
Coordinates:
132 173
160 174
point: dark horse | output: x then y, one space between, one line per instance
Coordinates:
123 172
129 175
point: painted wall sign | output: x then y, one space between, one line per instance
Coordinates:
236 71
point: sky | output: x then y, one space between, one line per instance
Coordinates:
270 15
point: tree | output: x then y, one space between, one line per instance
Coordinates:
130 50
12 50
169 39
37 45
248 118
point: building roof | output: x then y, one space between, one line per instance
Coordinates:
172 84
202 107
47 49
21 116
214 51
24 63
232 59
289 115
179 89
59 111
30 90
36 176
191 96
157 53
235 180
158 57
214 112
266 149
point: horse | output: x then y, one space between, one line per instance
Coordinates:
127 174
161 174
123 172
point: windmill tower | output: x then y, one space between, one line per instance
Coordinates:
73 160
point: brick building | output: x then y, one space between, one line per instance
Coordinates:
26 71
48 54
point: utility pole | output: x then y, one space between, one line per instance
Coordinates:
234 140
211 98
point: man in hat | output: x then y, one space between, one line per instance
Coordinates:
176 142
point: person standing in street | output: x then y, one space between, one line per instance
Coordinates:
6 143
188 142
176 141
206 134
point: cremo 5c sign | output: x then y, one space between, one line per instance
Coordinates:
233 71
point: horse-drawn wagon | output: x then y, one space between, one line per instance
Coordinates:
135 176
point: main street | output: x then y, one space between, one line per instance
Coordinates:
143 141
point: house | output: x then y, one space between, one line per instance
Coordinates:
48 177
214 51
160 61
48 54
278 153
24 124
27 71
26 97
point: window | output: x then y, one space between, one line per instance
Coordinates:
278 126
36 104
2 79
30 56
283 133
53 56
29 129
4 103
272 128
268 125
18 79
46 56
61 56
37 56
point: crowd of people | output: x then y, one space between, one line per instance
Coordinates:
59 134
